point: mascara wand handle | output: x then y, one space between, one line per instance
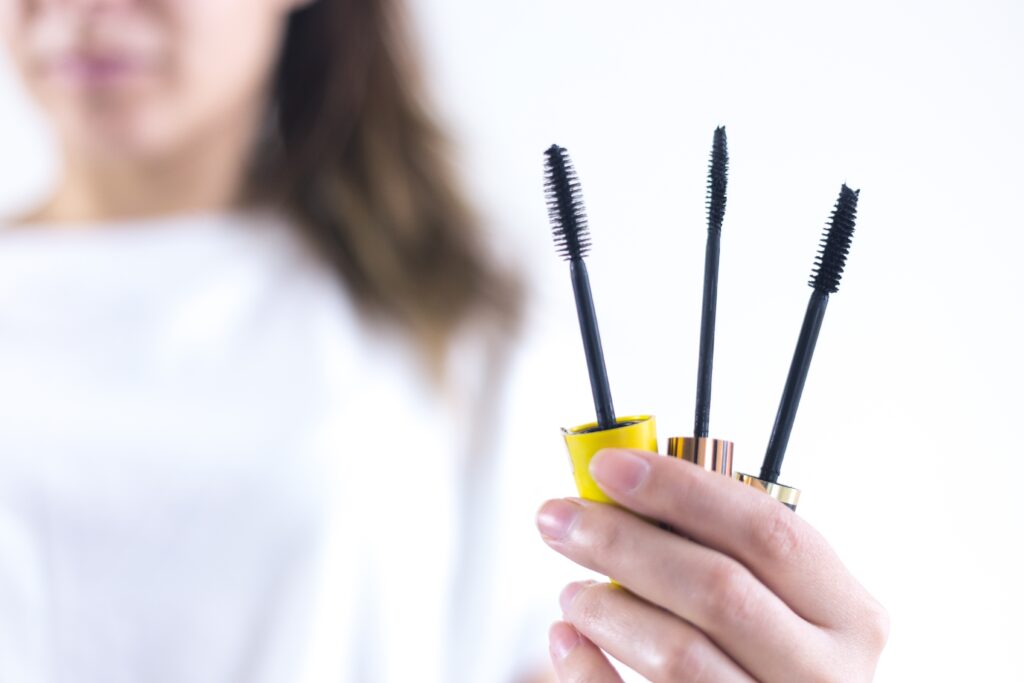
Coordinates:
706 353
798 369
592 344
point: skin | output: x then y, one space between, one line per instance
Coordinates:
155 112
737 588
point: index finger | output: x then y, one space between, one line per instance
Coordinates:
782 550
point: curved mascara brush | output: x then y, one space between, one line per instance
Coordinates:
825 277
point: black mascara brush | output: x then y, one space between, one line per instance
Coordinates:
825 277
572 240
712 454
717 182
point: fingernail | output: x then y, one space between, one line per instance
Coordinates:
563 638
619 471
556 518
569 594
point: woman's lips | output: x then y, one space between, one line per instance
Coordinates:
89 70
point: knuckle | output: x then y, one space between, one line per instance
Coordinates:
683 661
877 624
776 535
587 607
607 539
730 593
684 478
676 492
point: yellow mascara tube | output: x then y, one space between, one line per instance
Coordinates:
583 442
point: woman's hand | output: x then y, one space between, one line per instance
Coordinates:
742 590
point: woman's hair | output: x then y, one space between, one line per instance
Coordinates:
355 157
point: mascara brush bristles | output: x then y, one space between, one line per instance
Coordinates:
572 241
835 243
825 277
565 205
718 177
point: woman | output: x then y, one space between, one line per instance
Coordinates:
241 344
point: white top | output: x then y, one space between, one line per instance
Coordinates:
212 470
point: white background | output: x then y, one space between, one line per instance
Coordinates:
907 442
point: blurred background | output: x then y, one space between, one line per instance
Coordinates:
906 443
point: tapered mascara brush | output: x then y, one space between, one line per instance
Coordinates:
827 272
714 455
572 240
717 181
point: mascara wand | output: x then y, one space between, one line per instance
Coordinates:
572 241
717 182
712 454
825 277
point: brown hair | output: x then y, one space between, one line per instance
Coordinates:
363 168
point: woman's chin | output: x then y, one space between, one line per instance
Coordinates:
115 136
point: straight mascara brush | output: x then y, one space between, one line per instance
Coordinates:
572 241
825 277
712 454
717 182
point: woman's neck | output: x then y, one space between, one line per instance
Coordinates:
202 177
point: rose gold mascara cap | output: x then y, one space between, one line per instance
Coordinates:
714 455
